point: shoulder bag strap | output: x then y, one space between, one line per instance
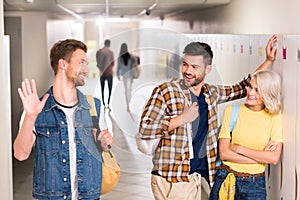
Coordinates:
233 117
93 114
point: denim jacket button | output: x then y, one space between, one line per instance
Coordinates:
56 131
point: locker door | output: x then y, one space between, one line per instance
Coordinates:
243 65
236 59
298 119
253 52
244 56
285 172
227 59
216 45
263 41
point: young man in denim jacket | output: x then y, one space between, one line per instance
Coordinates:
67 161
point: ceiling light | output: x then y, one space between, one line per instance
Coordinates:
118 19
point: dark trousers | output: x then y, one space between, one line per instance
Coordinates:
109 80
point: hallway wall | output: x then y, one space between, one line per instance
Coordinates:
29 57
245 17
5 117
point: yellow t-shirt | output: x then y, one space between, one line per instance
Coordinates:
252 130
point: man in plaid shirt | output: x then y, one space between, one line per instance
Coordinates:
186 155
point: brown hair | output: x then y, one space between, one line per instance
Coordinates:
64 49
199 49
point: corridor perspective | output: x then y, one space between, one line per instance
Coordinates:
229 66
157 31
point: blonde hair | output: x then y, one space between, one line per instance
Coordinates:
269 88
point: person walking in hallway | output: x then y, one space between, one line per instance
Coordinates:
67 160
123 70
183 114
105 63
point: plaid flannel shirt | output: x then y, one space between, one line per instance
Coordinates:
171 158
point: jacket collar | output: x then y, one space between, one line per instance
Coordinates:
51 103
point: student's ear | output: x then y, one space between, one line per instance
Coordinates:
61 64
208 69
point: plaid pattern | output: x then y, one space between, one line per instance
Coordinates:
171 159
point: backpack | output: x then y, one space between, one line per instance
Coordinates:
110 167
135 68
233 117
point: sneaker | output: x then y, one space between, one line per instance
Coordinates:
108 108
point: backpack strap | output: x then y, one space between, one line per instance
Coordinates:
93 113
233 117
95 105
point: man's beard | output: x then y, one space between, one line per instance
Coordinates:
79 81
196 82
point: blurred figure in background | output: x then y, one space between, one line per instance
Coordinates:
173 69
124 69
105 63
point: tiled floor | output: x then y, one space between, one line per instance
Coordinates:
134 182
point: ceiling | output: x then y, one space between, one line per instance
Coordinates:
111 8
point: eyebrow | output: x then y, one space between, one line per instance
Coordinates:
255 88
83 60
193 65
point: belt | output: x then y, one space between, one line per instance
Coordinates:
155 172
239 174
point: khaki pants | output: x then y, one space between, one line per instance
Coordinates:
197 188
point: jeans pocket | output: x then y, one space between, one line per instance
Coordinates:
219 178
260 183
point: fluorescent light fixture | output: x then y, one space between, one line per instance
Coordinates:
101 21
69 11
117 19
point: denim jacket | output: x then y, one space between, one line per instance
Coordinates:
51 176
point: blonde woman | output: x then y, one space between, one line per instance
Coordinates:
255 140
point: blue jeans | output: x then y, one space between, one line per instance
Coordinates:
253 188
